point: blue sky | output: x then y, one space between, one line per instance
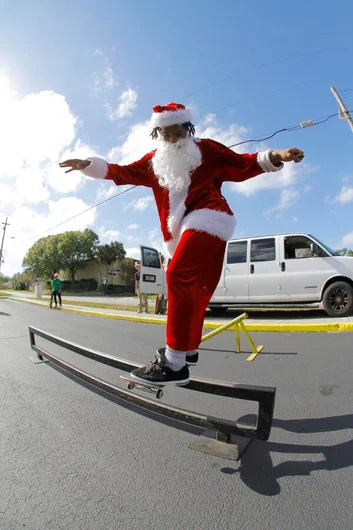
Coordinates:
80 78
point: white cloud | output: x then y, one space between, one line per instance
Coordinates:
107 236
345 195
295 219
347 240
105 79
134 253
105 192
127 104
282 179
287 198
155 240
138 142
34 130
133 226
209 127
139 204
37 131
28 225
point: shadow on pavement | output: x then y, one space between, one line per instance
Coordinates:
258 472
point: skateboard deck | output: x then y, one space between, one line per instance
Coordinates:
157 390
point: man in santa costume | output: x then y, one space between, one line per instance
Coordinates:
186 176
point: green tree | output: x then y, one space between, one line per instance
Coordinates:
42 258
4 279
128 270
67 251
108 253
345 252
74 249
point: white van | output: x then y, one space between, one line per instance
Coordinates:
280 270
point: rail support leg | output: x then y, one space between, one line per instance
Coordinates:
222 445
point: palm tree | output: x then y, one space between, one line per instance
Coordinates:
108 253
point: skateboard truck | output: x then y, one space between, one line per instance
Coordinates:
146 387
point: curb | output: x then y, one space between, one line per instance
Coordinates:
332 327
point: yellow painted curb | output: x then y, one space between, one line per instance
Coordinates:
292 328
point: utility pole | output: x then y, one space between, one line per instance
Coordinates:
344 114
6 224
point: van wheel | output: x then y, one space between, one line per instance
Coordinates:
338 299
218 310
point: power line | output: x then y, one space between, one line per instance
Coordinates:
78 214
302 125
263 65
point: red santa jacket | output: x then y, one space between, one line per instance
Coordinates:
201 206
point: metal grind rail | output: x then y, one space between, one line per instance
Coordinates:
224 429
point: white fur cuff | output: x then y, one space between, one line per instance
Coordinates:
97 169
264 161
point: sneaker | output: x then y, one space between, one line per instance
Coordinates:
192 358
157 373
138 312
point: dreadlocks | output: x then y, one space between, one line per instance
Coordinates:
190 128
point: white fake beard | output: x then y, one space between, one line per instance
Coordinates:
174 163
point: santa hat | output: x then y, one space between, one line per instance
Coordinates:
170 114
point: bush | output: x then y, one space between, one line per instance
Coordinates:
20 286
120 289
89 284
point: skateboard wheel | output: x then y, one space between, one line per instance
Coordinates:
130 386
159 394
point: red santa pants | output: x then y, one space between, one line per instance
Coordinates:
192 277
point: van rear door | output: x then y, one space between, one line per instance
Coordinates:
152 275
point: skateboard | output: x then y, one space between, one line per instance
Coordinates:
147 387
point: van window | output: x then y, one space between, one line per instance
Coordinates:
237 252
263 250
301 247
150 258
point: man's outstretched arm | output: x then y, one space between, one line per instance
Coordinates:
135 174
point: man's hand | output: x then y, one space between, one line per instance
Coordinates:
286 155
75 164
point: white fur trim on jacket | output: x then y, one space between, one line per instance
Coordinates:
176 209
219 224
167 118
264 161
97 169
170 246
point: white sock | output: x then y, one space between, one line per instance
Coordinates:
176 359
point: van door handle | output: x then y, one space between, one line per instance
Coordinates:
283 266
252 269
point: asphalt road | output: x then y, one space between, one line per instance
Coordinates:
74 460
